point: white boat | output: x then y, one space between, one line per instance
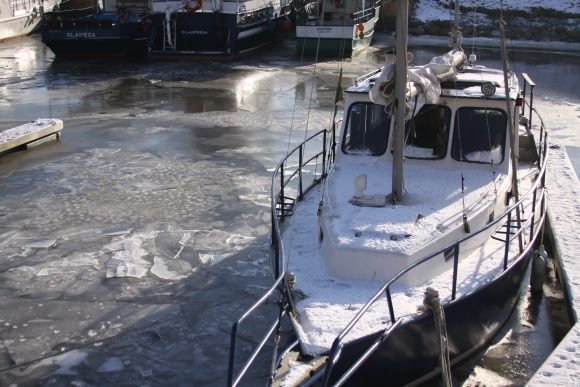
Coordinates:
401 243
23 17
336 28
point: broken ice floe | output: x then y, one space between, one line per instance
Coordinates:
186 237
120 269
127 259
39 244
112 364
117 231
170 269
213 258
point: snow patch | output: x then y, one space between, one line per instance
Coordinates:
430 10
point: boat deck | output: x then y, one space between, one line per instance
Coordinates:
325 304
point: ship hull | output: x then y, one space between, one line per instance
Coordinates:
96 36
411 352
210 34
22 22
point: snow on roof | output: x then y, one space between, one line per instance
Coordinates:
467 84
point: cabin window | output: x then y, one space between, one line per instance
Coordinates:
427 134
479 135
367 129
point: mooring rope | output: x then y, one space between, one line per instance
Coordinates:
433 302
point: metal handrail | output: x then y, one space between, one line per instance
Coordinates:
234 381
277 243
277 197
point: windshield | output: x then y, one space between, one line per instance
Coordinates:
479 135
366 130
427 134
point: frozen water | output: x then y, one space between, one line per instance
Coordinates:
151 152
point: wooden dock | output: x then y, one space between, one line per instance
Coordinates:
562 368
23 135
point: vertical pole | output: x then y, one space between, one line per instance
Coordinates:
534 198
455 266
281 203
400 93
512 133
531 107
543 201
300 161
323 174
232 354
507 240
334 142
390 302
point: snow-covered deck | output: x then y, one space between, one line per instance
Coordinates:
386 239
329 303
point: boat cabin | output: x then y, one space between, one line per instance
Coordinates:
456 177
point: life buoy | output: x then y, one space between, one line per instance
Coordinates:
193 6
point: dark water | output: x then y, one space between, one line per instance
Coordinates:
131 245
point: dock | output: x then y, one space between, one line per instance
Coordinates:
562 367
29 133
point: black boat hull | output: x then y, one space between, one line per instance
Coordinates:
93 37
211 34
411 352
99 48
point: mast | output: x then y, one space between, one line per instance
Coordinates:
456 36
511 129
400 97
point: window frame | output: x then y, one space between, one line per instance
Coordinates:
449 114
347 131
454 151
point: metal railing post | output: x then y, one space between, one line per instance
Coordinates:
507 240
232 354
333 142
300 161
323 174
281 203
543 184
534 197
455 269
531 107
390 303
